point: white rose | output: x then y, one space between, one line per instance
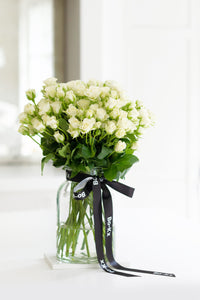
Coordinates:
141 130
145 121
50 121
93 82
94 106
111 103
44 106
60 93
120 133
134 146
144 116
31 94
83 103
123 114
93 92
133 113
23 117
50 91
70 95
105 91
59 137
101 114
97 125
37 125
126 124
23 130
73 132
90 113
121 103
114 85
56 106
29 109
77 86
110 127
120 146
114 94
50 81
72 110
115 113
74 122
87 125
31 130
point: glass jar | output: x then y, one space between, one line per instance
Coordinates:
75 226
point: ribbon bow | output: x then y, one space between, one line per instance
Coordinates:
88 183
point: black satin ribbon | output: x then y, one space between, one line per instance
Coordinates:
102 195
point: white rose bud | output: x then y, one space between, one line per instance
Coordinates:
44 106
73 132
126 124
59 137
93 92
123 114
72 110
23 130
74 122
37 125
134 146
60 93
115 113
31 94
70 95
78 87
93 82
110 127
105 91
50 81
97 125
50 91
52 122
83 103
101 114
114 94
90 113
120 146
113 84
87 125
133 113
111 103
120 133
94 106
29 109
23 117
56 106
141 130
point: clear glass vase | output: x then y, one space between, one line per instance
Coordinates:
75 227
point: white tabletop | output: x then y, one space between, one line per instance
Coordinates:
143 239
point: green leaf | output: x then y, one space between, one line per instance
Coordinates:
104 152
64 151
45 160
63 124
111 173
125 162
85 152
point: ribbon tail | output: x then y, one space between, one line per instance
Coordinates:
97 209
108 210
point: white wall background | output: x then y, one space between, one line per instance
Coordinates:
152 48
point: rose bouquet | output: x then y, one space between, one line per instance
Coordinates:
82 126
